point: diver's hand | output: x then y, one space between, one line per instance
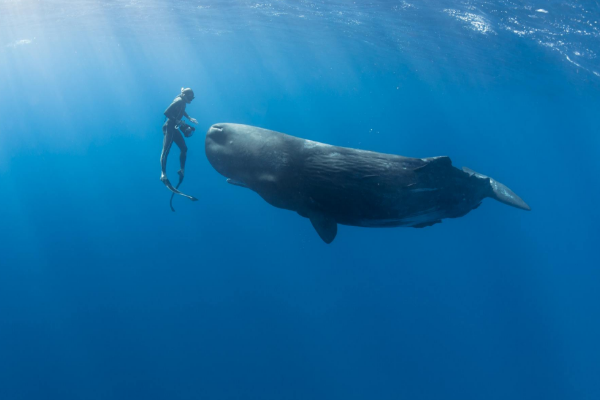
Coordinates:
194 120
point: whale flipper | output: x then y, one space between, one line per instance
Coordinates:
325 226
501 192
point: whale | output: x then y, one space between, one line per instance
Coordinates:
332 185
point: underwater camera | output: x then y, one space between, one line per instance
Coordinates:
186 129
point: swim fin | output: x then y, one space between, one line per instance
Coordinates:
173 194
175 191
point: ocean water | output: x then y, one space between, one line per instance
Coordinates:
107 294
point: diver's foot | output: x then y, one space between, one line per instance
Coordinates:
181 173
163 178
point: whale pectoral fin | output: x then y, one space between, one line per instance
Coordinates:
325 226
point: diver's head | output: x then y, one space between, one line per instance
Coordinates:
187 95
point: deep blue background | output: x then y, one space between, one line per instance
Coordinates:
107 294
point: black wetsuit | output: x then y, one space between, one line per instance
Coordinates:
174 113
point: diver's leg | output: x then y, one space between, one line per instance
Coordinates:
173 135
167 142
180 142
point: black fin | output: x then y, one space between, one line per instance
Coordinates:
325 226
173 194
172 189
171 202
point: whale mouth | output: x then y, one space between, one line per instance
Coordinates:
237 183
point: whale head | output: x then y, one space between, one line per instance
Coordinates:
247 155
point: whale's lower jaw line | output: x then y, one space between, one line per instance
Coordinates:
237 183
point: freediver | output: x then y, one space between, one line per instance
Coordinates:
174 113
172 131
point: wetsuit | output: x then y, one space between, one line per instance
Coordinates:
174 113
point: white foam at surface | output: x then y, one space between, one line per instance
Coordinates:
398 26
475 22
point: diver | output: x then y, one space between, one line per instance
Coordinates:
172 131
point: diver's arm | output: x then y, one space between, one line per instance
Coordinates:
192 120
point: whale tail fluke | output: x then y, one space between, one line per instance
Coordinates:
501 192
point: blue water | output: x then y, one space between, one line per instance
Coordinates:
107 294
